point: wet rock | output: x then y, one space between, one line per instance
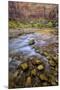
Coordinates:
46 54
56 80
36 62
16 57
52 63
52 79
28 81
53 83
40 67
31 42
55 59
24 66
43 77
33 72
15 74
56 68
45 83
13 65
48 57
38 51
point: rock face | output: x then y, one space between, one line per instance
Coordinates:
27 11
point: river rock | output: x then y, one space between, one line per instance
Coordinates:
33 72
55 59
37 51
15 74
24 66
45 84
31 42
28 81
52 63
43 77
53 83
46 54
36 62
40 67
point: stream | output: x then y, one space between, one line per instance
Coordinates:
20 45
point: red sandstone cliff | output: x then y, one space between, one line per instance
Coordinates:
25 11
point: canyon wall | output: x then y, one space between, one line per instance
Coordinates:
28 11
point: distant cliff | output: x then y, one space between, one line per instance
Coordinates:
28 11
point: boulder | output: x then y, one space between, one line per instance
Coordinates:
31 42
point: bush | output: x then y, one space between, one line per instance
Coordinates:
12 24
17 24
55 23
50 24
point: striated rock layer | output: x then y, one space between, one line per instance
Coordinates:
28 11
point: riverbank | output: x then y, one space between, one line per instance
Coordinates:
17 32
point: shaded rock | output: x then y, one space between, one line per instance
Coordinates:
11 85
52 63
13 65
38 51
15 74
43 77
33 72
52 79
36 62
40 67
46 53
45 83
53 83
28 81
48 57
24 66
55 59
31 42
56 80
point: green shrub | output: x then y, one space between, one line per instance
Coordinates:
12 24
17 24
50 24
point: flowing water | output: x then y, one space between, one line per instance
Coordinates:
20 45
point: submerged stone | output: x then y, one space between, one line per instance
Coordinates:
31 42
55 59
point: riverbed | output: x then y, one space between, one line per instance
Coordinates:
44 48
